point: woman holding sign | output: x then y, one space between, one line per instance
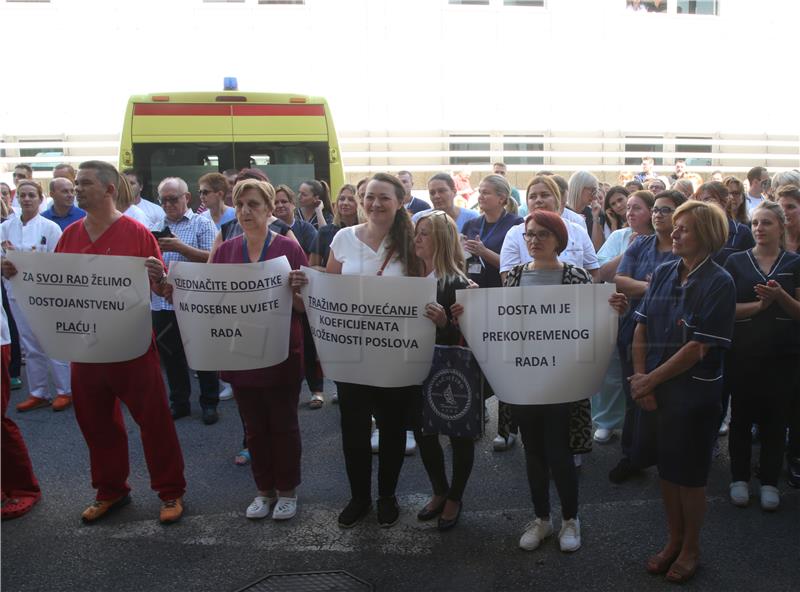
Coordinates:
684 324
437 244
267 397
383 246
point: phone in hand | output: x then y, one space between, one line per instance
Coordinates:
163 233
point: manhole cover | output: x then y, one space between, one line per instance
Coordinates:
311 581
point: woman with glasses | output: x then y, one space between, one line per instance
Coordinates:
633 279
737 208
583 191
442 191
763 369
437 244
546 428
213 187
483 236
739 236
683 326
608 405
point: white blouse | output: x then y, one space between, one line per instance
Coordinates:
358 258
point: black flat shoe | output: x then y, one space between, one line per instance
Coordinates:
425 514
444 524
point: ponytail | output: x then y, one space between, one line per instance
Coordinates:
322 192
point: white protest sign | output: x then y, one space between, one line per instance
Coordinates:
369 329
233 316
85 308
541 344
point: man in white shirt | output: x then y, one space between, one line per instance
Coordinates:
154 212
758 181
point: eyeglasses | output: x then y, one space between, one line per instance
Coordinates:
170 200
541 235
204 192
734 192
663 210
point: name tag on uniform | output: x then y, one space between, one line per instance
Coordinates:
474 268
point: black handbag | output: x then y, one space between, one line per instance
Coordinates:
452 394
580 427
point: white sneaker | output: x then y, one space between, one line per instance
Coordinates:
285 508
770 498
740 493
535 533
602 435
375 441
411 443
577 459
501 444
569 538
723 429
227 391
260 507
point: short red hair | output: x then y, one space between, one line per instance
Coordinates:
552 222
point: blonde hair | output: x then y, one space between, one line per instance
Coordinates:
266 190
710 223
551 185
778 212
124 198
448 256
577 182
361 216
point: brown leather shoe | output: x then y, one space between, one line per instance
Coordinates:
100 508
61 402
32 403
171 511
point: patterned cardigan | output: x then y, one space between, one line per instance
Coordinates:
570 275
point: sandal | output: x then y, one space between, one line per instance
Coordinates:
317 401
678 574
14 507
242 458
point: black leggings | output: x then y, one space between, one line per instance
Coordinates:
545 434
763 390
395 411
313 369
433 458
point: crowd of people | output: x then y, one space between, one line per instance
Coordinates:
707 287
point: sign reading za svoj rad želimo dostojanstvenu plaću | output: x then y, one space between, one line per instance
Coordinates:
84 308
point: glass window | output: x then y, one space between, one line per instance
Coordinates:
522 147
641 147
240 1
685 150
539 3
470 2
281 1
54 151
469 146
698 7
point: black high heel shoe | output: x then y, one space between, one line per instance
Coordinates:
445 524
425 514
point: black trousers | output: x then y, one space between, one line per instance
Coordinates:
763 391
433 459
396 410
545 433
312 365
15 365
170 349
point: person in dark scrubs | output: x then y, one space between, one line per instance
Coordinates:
633 279
684 324
763 368
739 236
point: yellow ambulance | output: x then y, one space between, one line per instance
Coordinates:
290 137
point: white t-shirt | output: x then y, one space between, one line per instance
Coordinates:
154 213
5 333
575 217
39 234
137 214
357 258
579 251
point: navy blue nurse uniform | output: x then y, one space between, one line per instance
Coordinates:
739 239
702 309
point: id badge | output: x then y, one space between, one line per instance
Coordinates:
474 268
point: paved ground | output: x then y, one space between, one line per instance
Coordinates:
215 548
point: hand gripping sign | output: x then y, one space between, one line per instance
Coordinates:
541 344
233 316
369 329
85 308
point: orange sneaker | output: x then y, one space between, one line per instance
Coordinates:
32 403
171 511
61 402
100 508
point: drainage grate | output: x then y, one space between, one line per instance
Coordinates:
310 581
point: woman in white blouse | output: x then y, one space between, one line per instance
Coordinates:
31 232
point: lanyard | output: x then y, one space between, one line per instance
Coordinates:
263 255
492 229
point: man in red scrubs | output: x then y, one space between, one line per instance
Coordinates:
97 389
